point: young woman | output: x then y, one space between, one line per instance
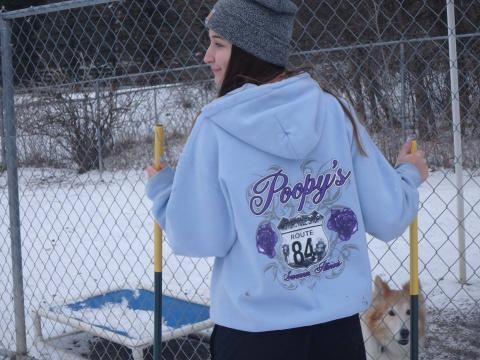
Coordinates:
280 184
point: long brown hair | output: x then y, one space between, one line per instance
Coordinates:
244 67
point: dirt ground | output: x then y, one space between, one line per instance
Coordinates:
451 336
187 348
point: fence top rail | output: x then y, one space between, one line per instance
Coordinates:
386 43
50 8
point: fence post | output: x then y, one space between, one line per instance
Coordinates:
402 96
457 137
3 164
155 116
12 183
99 130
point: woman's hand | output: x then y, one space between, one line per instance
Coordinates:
155 168
416 158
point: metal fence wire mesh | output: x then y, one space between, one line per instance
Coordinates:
88 81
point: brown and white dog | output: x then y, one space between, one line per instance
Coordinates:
386 323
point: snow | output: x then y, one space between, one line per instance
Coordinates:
93 232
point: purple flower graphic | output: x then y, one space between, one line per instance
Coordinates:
266 239
344 222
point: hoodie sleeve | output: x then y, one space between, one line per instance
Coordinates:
190 205
388 196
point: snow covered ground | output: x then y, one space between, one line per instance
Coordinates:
88 233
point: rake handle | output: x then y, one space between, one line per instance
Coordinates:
414 283
158 150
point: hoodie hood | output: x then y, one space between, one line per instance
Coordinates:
282 118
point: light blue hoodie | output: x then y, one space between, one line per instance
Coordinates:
271 183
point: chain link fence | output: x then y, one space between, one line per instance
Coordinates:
84 82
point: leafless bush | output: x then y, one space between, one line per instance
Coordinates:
80 119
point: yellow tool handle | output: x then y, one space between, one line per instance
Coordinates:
414 287
158 147
158 150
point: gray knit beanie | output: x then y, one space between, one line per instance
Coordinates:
261 27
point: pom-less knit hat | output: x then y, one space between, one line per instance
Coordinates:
261 27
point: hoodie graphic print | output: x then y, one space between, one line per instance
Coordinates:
302 228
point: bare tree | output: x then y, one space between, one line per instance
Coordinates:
80 118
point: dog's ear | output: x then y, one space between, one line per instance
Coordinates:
421 297
381 287
406 286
